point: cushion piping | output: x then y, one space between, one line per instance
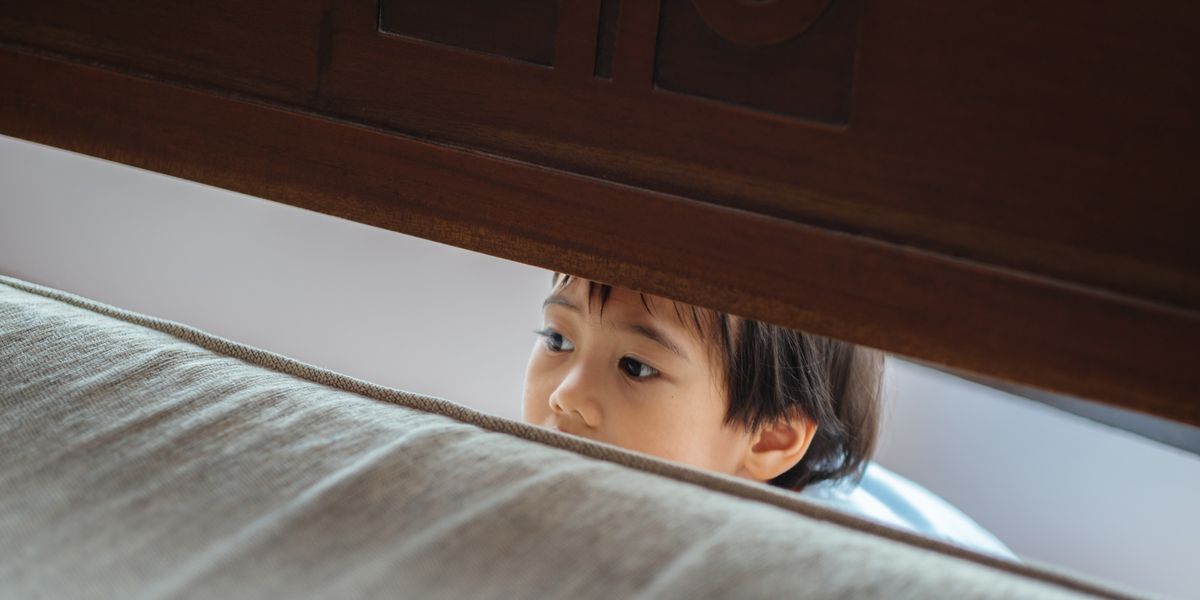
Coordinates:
716 482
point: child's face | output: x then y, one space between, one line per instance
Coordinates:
618 380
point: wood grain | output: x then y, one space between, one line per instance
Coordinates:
1017 326
263 48
1055 140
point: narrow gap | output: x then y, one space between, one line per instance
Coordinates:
606 37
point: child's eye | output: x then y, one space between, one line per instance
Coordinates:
555 341
637 369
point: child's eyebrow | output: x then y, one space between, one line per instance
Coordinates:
654 335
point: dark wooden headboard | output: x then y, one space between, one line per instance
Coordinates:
1006 188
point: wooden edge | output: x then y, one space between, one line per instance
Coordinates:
1164 431
1005 324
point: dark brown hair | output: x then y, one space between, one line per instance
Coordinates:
772 372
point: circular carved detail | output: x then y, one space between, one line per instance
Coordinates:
759 22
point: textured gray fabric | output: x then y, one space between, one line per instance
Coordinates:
142 457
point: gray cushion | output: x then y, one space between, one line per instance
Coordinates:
143 456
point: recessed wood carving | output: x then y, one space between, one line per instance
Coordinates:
606 37
759 22
792 57
519 29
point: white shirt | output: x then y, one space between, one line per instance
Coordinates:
887 498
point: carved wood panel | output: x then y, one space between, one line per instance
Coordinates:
980 132
792 58
1003 188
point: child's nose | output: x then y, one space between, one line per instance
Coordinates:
576 397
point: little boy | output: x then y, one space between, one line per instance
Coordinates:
728 394
701 387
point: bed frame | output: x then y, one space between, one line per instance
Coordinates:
1004 188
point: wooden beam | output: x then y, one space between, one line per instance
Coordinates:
1012 325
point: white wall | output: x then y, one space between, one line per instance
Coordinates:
435 319
1054 487
370 303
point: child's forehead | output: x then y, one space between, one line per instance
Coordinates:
593 297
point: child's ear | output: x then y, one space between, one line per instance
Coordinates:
778 446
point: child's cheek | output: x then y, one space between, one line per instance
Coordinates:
533 410
535 401
541 381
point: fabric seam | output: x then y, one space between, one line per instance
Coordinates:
778 498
